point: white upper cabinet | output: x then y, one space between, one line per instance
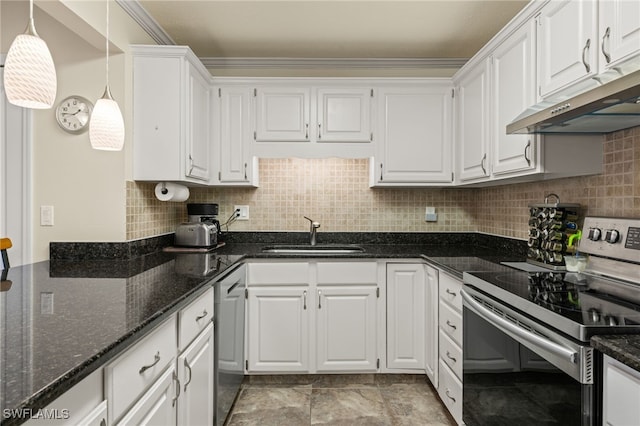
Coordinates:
171 112
344 115
414 135
619 23
233 160
472 123
567 45
282 114
512 92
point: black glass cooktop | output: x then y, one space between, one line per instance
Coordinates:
460 264
574 303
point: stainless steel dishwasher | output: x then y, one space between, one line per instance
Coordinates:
229 340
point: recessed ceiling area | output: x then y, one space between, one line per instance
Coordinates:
333 29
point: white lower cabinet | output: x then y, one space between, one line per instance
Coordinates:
195 376
621 394
82 405
322 317
346 328
450 344
157 406
431 326
278 329
406 312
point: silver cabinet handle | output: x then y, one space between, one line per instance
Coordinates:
527 150
190 164
103 422
304 300
188 367
484 158
156 359
380 172
448 356
585 49
319 131
450 397
204 314
319 299
245 171
175 399
607 34
306 131
451 293
451 325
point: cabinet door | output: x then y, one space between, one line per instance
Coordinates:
406 310
619 32
346 328
158 405
567 44
278 329
513 90
431 326
472 129
344 115
282 114
195 375
414 135
234 133
198 114
621 394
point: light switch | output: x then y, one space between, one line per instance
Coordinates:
46 215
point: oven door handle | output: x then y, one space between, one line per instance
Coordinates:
517 331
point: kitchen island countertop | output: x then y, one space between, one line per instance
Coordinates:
64 319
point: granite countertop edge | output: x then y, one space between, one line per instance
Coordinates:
623 347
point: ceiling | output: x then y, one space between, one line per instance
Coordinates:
333 28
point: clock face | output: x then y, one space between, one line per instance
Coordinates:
73 114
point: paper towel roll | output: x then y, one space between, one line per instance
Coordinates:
167 191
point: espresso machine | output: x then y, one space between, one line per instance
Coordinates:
202 228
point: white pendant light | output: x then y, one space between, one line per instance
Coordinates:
29 73
106 128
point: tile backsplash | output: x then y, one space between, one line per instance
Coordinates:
336 193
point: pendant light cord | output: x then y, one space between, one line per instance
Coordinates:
107 43
31 10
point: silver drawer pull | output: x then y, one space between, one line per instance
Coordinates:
450 397
450 357
452 325
204 314
452 293
156 358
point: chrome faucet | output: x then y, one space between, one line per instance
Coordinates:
312 231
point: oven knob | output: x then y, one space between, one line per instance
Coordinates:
612 236
594 234
595 315
612 321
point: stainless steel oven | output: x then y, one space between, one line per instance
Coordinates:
527 358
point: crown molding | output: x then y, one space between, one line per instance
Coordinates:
333 63
146 21
139 14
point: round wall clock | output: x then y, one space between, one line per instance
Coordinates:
73 114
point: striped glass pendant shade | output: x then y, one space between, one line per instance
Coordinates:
29 73
106 128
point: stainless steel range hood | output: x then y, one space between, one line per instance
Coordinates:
613 106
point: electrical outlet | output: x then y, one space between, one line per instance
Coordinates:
244 212
46 215
430 214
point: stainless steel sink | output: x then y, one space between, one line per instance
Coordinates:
317 249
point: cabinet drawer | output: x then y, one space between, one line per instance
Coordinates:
450 391
348 273
450 322
451 354
449 289
135 370
278 273
195 318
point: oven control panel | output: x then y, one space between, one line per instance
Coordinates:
617 238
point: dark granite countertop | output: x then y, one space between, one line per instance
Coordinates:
622 347
65 318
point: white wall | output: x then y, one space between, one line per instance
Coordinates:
86 187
